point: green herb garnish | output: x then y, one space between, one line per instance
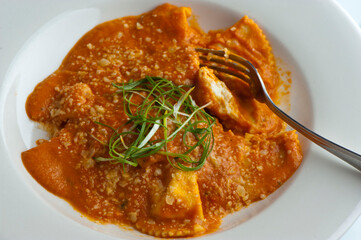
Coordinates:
164 107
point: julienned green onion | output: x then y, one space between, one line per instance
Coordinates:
164 107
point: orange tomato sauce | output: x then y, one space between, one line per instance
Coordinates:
249 161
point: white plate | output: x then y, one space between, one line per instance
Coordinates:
316 40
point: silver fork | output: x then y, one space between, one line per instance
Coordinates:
241 68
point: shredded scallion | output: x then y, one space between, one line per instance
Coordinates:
161 106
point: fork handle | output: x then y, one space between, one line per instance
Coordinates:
348 156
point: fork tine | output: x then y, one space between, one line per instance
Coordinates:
215 52
238 63
244 62
250 76
235 65
228 71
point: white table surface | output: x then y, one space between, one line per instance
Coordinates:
353 7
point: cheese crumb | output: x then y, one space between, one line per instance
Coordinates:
169 200
104 62
158 172
90 46
139 26
133 216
